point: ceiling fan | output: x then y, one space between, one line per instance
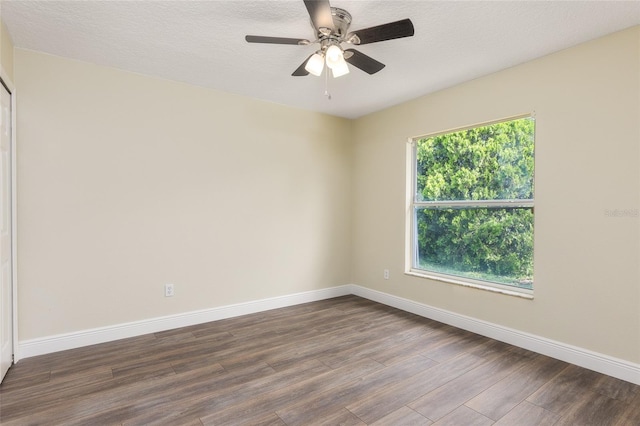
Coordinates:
331 27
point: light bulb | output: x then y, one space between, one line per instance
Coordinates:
315 64
340 69
334 56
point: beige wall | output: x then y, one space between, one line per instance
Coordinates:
587 274
127 182
6 49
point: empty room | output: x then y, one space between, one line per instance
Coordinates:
313 212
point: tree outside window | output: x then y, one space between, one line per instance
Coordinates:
473 203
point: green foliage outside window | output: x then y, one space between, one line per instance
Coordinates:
492 242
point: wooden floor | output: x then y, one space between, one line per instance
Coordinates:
340 361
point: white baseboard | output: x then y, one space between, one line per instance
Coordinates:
61 342
604 364
610 366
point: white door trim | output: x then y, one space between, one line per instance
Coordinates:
14 208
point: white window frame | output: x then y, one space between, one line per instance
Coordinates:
413 204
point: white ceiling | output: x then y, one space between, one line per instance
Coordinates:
202 42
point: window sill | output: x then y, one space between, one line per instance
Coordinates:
524 294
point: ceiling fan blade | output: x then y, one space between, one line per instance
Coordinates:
320 13
275 40
398 29
364 62
300 71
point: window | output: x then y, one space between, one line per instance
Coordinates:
471 208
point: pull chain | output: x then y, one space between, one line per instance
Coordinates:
326 83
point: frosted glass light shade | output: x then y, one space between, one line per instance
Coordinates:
315 64
334 56
340 69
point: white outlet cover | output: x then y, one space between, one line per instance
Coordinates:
168 290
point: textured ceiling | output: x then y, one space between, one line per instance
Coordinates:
202 42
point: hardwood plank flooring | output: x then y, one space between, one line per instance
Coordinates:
342 361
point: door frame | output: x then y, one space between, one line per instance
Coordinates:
8 83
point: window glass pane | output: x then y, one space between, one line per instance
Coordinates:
479 243
493 162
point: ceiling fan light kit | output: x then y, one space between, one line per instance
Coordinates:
331 26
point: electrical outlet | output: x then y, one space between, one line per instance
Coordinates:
168 290
386 274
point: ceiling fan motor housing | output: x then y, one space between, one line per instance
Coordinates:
341 23
337 34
